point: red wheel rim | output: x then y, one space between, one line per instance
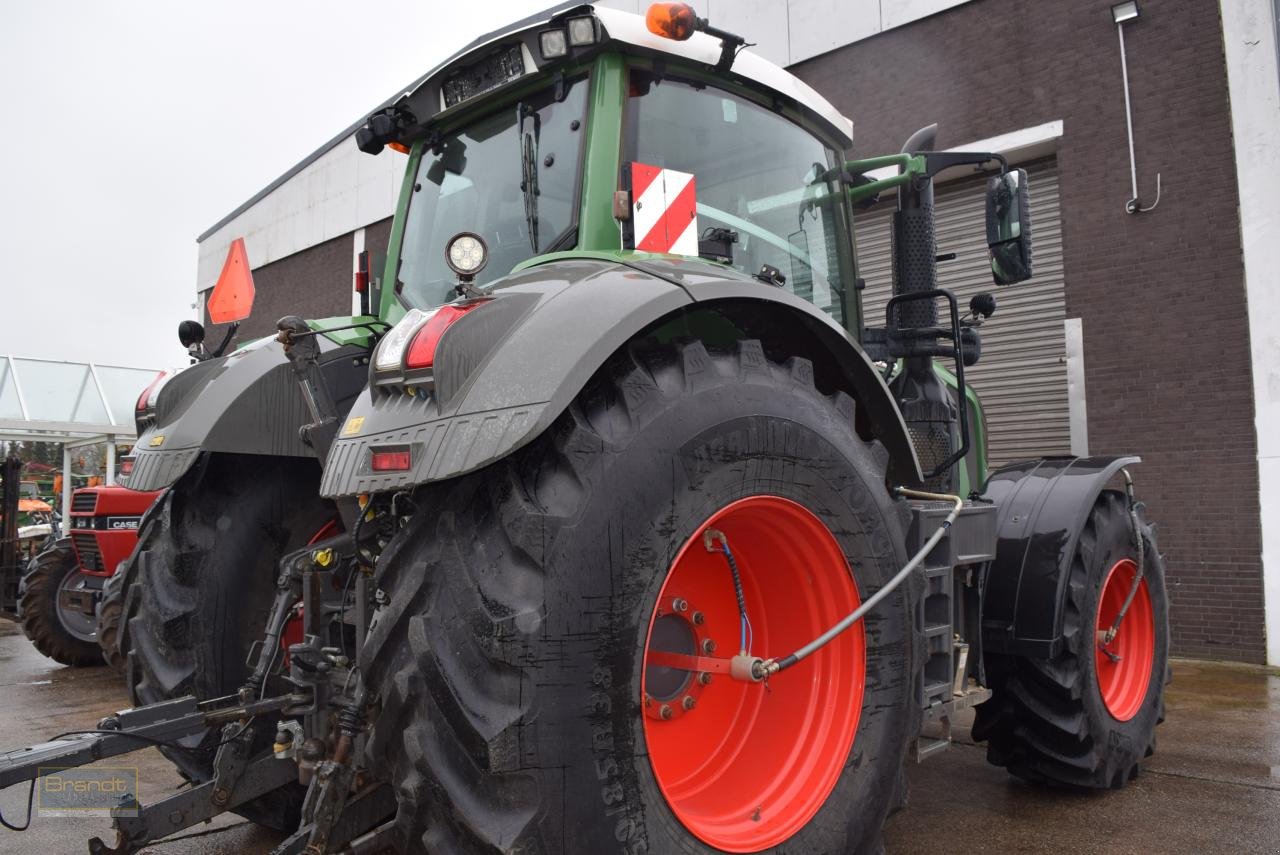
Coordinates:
1123 680
742 766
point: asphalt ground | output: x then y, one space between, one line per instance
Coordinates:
1213 785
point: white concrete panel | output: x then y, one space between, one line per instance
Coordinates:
899 12
1253 81
1076 397
339 192
818 26
635 7
763 22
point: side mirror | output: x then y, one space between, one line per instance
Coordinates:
190 333
1009 227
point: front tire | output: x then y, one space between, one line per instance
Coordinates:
1082 720
510 659
65 638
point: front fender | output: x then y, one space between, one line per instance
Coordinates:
246 403
1043 505
506 372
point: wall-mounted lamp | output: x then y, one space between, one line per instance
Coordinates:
1121 13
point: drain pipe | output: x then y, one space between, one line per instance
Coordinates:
1120 13
755 669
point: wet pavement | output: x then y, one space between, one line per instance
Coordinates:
40 698
1213 785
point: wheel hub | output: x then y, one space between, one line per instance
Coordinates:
671 692
77 601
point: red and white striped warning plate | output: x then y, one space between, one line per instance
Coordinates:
664 215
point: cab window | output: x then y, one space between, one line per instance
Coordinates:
757 174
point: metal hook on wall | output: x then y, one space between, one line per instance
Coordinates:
1121 13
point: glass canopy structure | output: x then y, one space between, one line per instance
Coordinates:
72 403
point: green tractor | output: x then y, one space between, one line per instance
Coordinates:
615 525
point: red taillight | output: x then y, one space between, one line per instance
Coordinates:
422 350
126 466
146 393
362 272
390 461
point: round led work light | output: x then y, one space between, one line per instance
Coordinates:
466 254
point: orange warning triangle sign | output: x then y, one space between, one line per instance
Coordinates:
232 297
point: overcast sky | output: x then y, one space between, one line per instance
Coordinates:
131 127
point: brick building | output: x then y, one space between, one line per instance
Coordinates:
1151 332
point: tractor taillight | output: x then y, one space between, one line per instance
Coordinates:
148 394
390 461
422 350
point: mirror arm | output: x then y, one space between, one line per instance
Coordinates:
937 161
909 166
226 339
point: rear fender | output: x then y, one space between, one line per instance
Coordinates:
246 403
1043 505
506 372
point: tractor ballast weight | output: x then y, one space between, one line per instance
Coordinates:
245 403
1043 505
514 367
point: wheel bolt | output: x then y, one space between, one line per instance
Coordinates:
699 618
708 646
665 711
688 702
680 605
704 678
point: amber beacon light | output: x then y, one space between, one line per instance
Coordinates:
672 20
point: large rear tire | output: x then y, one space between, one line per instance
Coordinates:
65 638
510 658
1084 719
200 585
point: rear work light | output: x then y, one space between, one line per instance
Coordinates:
390 461
422 350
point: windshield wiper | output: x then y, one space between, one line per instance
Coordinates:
529 168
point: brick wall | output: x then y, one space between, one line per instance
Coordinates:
314 283
1161 294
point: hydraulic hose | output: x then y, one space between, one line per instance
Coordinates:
766 668
1131 506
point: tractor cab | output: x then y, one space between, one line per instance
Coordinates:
526 138
587 132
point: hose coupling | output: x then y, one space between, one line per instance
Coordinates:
748 669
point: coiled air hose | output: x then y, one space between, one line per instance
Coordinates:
756 669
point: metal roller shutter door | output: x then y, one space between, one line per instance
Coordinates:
1022 375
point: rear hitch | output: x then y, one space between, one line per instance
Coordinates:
318 740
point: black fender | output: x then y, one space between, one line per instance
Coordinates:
248 402
507 371
1043 505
